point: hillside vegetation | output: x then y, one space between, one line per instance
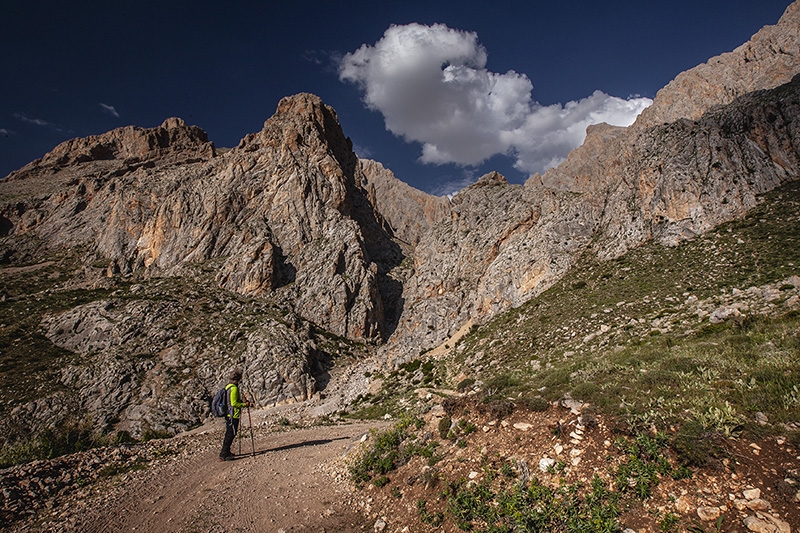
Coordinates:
708 328
678 364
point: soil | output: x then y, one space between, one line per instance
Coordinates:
288 485
769 464
297 480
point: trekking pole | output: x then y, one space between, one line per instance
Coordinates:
250 422
240 440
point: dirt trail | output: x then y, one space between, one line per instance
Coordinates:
286 486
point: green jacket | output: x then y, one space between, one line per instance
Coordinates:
233 399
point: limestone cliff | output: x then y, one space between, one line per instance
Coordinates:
158 262
731 133
284 209
196 262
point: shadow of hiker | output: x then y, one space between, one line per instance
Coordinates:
317 442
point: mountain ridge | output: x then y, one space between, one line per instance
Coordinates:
164 261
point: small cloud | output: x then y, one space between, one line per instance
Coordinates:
449 186
109 109
363 152
35 121
329 60
5 133
38 122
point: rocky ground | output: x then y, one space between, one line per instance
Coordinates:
299 478
180 485
755 485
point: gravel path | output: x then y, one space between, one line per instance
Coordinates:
290 484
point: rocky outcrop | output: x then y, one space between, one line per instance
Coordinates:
770 58
409 211
145 362
285 209
282 219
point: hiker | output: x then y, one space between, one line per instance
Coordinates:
234 412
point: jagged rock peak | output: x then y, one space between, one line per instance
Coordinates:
130 143
769 59
304 105
303 120
491 179
173 122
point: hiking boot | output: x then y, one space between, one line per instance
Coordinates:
230 457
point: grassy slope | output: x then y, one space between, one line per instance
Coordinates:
633 337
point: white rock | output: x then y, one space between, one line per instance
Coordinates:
723 313
740 505
751 494
766 523
524 426
545 463
573 405
707 514
683 504
758 505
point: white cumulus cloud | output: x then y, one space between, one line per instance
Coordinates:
432 86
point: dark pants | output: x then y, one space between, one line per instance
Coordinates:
231 428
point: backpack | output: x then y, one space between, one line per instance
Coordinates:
220 403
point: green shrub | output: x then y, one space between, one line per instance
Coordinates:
67 438
432 519
696 446
388 451
465 384
497 409
444 427
537 404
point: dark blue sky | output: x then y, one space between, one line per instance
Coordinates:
72 69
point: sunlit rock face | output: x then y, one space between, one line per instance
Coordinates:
281 252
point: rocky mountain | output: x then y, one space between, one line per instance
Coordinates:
669 181
283 214
410 212
142 263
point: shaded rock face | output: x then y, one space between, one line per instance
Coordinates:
140 367
409 212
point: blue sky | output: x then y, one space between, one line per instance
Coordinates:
438 91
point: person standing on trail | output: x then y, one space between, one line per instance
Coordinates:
234 413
